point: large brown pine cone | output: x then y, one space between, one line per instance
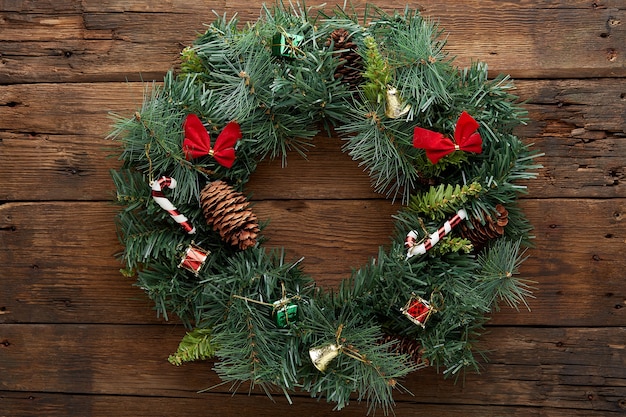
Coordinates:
350 68
228 212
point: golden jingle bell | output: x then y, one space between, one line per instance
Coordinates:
395 108
321 356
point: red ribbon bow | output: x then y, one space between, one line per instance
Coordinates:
197 141
437 145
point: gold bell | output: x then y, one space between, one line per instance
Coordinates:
395 108
322 355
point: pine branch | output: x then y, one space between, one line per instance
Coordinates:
423 73
498 280
380 146
363 365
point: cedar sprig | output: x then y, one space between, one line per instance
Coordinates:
190 63
377 72
195 345
438 202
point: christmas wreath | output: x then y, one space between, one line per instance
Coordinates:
434 137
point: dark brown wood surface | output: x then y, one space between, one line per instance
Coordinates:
78 339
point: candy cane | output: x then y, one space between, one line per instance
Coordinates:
411 237
161 200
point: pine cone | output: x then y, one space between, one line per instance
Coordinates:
480 233
350 66
228 212
406 346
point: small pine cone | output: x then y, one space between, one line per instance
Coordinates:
479 234
406 346
228 212
425 181
350 67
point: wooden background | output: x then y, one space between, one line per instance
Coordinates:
77 339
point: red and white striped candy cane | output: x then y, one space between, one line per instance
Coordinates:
161 200
411 237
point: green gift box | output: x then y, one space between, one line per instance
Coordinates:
286 314
285 44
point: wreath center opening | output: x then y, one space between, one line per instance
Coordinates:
322 208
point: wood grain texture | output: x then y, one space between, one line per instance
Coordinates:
87 359
53 142
96 41
59 258
46 167
25 404
78 339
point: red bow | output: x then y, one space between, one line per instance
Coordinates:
437 145
197 141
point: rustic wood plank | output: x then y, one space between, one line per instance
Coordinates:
63 266
52 146
67 109
52 7
181 6
102 41
27 404
57 167
76 167
86 61
579 104
59 265
577 368
82 109
577 282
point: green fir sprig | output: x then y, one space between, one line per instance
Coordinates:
499 280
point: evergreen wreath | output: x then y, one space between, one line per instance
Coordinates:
434 137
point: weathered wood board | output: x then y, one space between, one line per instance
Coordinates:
78 339
98 359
